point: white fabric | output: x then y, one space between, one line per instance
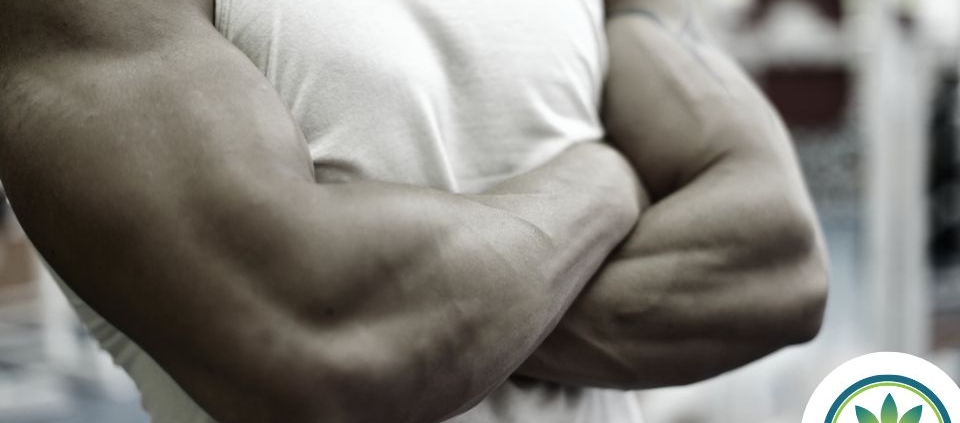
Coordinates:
451 94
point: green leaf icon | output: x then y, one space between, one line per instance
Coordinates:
865 416
888 413
912 416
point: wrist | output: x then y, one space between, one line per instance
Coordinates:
610 181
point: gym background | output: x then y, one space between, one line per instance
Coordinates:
869 89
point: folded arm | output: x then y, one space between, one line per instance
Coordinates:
727 264
157 171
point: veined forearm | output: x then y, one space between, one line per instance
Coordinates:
459 275
727 264
715 275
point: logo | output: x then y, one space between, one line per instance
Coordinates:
889 413
885 388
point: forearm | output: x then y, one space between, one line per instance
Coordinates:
452 294
478 282
727 264
714 276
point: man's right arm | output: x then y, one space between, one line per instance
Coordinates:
157 171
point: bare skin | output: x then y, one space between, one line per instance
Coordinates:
727 264
158 172
166 146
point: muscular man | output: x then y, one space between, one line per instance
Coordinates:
315 211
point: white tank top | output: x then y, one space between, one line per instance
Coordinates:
452 94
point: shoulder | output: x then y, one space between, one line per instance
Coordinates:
34 27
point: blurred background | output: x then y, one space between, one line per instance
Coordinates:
869 89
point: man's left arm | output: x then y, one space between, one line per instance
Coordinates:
727 264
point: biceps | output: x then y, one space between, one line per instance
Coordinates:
119 164
120 137
676 106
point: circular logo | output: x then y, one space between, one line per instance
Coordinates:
885 388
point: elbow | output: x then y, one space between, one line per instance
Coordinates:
805 278
805 324
784 266
807 320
